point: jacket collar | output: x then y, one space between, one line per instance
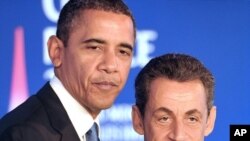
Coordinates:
56 113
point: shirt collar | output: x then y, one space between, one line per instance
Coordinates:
79 116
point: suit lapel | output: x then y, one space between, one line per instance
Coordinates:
57 114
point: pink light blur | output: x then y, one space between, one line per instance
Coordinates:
19 87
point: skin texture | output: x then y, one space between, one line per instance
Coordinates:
95 63
175 111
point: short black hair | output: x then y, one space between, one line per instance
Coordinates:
178 67
72 9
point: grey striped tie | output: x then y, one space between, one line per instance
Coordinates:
92 134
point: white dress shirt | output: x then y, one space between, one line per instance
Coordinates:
79 116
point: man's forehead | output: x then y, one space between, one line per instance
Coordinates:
164 89
180 112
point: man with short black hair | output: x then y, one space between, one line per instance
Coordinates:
91 52
174 99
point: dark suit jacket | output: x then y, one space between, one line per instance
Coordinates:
41 118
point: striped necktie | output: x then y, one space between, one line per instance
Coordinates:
92 134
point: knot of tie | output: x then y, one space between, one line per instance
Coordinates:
92 134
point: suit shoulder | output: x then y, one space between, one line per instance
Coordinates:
31 110
28 132
20 114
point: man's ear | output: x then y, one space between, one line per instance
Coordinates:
137 120
55 50
210 121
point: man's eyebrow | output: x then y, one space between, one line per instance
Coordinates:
193 111
100 41
94 40
126 45
163 109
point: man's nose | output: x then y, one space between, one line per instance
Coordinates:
109 62
178 132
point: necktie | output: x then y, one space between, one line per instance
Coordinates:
92 134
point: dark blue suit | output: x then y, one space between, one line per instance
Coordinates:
41 118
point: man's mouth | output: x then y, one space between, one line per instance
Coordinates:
105 85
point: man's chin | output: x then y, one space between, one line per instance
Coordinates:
104 107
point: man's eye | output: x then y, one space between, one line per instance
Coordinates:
164 119
193 119
124 52
92 47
